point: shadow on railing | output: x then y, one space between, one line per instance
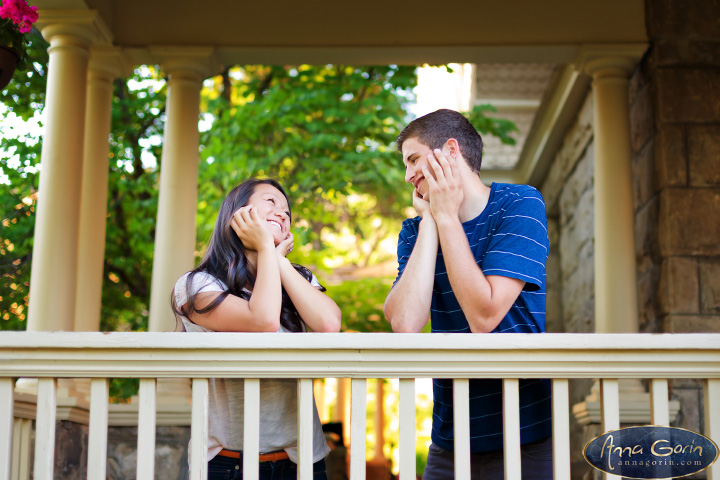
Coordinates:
201 356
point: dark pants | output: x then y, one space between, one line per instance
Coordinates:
536 460
226 468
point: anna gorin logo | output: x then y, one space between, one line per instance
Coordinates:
651 452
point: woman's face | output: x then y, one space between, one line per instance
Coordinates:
271 206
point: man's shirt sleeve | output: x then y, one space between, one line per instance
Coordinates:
406 243
519 245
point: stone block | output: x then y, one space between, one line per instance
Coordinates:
647 252
553 309
170 452
689 222
679 291
579 389
582 321
642 175
649 309
683 52
554 280
578 300
576 243
71 441
691 324
691 404
688 95
704 155
576 145
578 189
670 158
682 18
642 126
639 80
709 285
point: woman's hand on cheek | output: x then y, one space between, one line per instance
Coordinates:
286 246
250 229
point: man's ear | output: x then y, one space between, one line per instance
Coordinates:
452 147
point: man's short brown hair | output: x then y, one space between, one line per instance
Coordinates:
436 128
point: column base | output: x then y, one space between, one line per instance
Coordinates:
634 405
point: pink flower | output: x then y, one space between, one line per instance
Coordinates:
20 13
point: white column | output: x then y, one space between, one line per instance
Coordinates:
175 228
54 266
175 232
105 65
616 309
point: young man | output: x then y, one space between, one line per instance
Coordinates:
473 261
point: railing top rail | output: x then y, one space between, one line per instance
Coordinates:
371 355
360 341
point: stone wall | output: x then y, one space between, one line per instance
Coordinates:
568 192
171 461
675 120
71 455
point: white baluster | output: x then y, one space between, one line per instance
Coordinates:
22 447
305 429
407 429
610 406
461 422
251 429
199 429
146 429
6 426
358 428
712 419
659 409
98 435
45 429
511 428
561 428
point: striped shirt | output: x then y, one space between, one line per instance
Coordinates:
509 238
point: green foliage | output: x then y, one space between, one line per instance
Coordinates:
122 389
20 152
490 125
361 302
137 117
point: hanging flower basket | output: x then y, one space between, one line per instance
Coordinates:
16 19
8 62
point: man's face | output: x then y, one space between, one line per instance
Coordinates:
415 156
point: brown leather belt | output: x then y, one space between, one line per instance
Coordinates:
264 457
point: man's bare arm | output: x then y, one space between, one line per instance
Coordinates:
407 306
485 300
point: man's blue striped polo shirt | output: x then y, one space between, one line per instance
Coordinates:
509 238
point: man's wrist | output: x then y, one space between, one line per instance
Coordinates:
446 220
428 221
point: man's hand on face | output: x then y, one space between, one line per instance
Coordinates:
421 205
445 190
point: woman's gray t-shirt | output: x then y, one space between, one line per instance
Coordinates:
278 397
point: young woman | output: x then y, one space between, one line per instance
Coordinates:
245 283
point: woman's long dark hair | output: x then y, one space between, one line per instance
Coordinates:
227 261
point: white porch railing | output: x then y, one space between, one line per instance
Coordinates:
199 356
